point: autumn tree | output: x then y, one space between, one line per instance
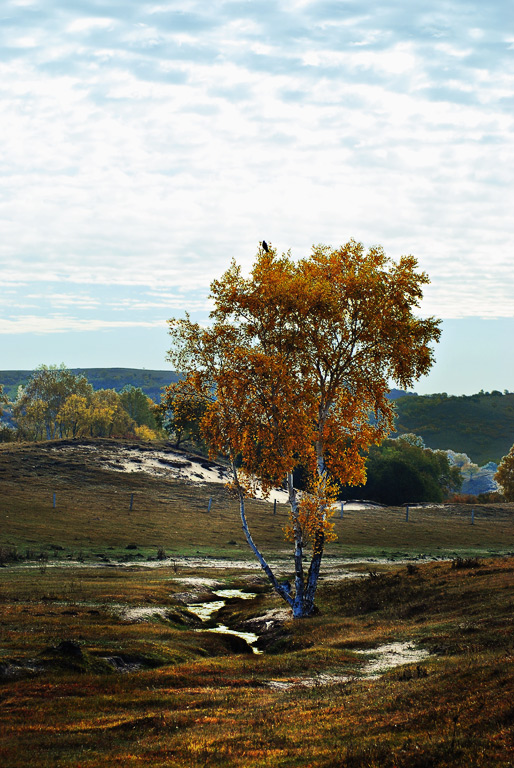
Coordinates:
505 475
107 417
38 403
139 406
180 412
297 357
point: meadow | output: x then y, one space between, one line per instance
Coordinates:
85 682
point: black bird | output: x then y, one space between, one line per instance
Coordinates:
265 246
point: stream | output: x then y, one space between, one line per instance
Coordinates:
204 611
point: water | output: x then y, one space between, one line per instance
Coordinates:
205 610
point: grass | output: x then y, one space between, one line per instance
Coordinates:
92 519
194 703
82 686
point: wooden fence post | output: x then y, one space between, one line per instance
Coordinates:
131 502
341 513
407 513
209 505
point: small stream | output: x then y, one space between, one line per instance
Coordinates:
205 611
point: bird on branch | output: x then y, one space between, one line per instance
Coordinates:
265 246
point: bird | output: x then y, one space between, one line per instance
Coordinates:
265 246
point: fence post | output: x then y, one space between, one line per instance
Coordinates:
407 513
209 505
131 502
274 506
472 517
54 499
341 513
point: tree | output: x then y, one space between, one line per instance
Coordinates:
107 416
505 475
3 400
39 402
402 470
180 412
297 357
74 416
139 407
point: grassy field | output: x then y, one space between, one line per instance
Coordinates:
84 683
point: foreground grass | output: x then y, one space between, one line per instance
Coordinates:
196 703
82 685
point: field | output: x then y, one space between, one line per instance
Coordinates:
104 663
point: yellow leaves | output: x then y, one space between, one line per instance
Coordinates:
315 510
300 353
145 434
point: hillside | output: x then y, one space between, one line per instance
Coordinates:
151 382
482 425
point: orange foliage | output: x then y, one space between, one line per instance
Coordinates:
297 357
300 353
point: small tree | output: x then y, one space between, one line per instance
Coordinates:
37 407
180 412
297 357
139 406
505 475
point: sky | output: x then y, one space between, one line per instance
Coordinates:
143 145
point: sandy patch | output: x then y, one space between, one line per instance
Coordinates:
392 655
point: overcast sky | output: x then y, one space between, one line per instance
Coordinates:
145 144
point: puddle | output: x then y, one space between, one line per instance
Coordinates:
235 593
204 611
250 637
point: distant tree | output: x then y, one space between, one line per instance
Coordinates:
145 434
74 416
108 418
38 404
296 358
3 400
181 411
403 470
505 475
139 406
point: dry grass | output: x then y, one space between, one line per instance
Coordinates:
189 701
92 519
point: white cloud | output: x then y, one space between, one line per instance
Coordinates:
34 324
148 144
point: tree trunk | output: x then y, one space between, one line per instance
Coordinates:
281 589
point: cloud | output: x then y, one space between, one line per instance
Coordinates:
146 144
34 324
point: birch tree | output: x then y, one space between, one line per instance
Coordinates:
294 370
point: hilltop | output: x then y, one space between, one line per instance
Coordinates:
481 425
151 382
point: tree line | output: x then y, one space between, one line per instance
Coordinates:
56 403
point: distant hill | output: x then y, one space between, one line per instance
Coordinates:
481 425
151 382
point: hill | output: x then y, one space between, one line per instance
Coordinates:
481 425
151 382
